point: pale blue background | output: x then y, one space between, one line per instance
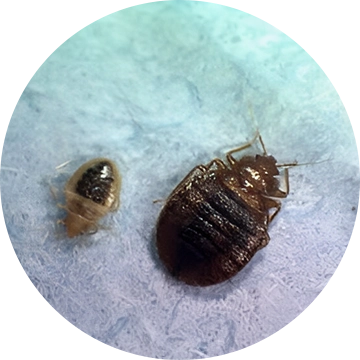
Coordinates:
161 88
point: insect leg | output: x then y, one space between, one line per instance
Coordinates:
115 205
262 144
286 177
272 204
93 230
219 163
283 193
193 173
159 201
197 170
229 156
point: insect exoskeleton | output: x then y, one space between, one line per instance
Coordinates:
91 193
217 218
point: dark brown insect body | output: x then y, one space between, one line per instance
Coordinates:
217 218
90 194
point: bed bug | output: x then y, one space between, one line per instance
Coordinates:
91 192
217 218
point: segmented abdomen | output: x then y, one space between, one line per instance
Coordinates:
215 237
218 225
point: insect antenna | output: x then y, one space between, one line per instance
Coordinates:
252 117
257 135
295 163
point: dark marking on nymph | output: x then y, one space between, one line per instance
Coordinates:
95 184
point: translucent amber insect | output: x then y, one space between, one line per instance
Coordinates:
90 194
217 218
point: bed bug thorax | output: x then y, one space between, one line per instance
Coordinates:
217 218
91 192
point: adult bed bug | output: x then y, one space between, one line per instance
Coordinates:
217 218
90 194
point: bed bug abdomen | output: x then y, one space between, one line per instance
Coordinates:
206 233
90 194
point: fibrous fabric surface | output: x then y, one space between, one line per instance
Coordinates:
159 89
